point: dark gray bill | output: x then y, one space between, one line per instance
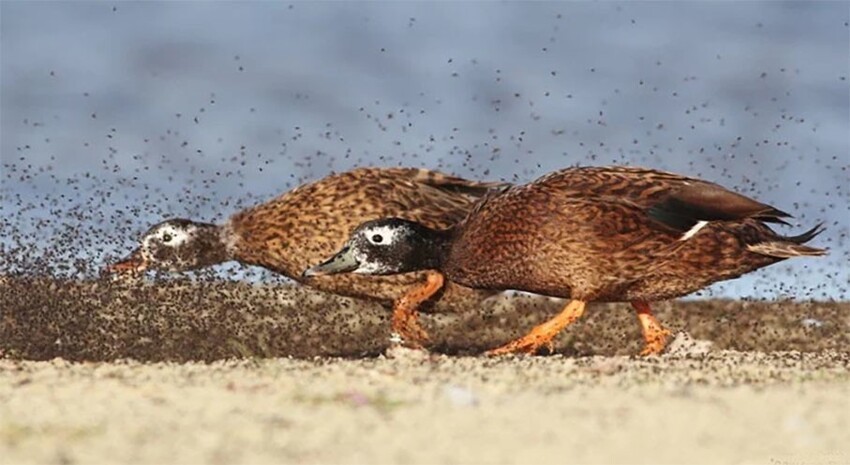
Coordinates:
342 262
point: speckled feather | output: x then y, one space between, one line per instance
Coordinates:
615 234
311 222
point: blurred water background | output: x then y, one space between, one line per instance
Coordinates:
116 115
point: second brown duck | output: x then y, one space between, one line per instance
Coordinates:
310 222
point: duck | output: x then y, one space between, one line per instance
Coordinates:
308 223
587 234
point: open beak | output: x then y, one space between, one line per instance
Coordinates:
342 262
133 263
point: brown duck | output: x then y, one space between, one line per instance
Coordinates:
588 234
308 223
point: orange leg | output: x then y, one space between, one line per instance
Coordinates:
654 335
543 334
405 320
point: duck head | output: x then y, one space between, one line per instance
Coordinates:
175 245
386 246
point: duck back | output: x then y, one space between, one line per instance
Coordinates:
615 234
309 223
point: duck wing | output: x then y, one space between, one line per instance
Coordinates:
684 206
431 197
448 183
676 201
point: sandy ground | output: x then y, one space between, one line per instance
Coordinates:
724 407
227 373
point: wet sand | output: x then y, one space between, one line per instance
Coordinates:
227 373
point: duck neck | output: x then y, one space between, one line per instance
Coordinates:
211 245
434 248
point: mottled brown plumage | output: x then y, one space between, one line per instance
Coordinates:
310 222
612 234
592 234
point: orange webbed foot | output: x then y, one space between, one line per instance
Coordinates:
528 344
655 344
654 335
542 335
407 331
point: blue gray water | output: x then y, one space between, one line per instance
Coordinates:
116 114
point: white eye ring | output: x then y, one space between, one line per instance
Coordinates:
168 236
381 235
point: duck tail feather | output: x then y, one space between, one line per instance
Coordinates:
774 218
791 246
806 236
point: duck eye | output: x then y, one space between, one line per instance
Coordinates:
166 237
377 238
